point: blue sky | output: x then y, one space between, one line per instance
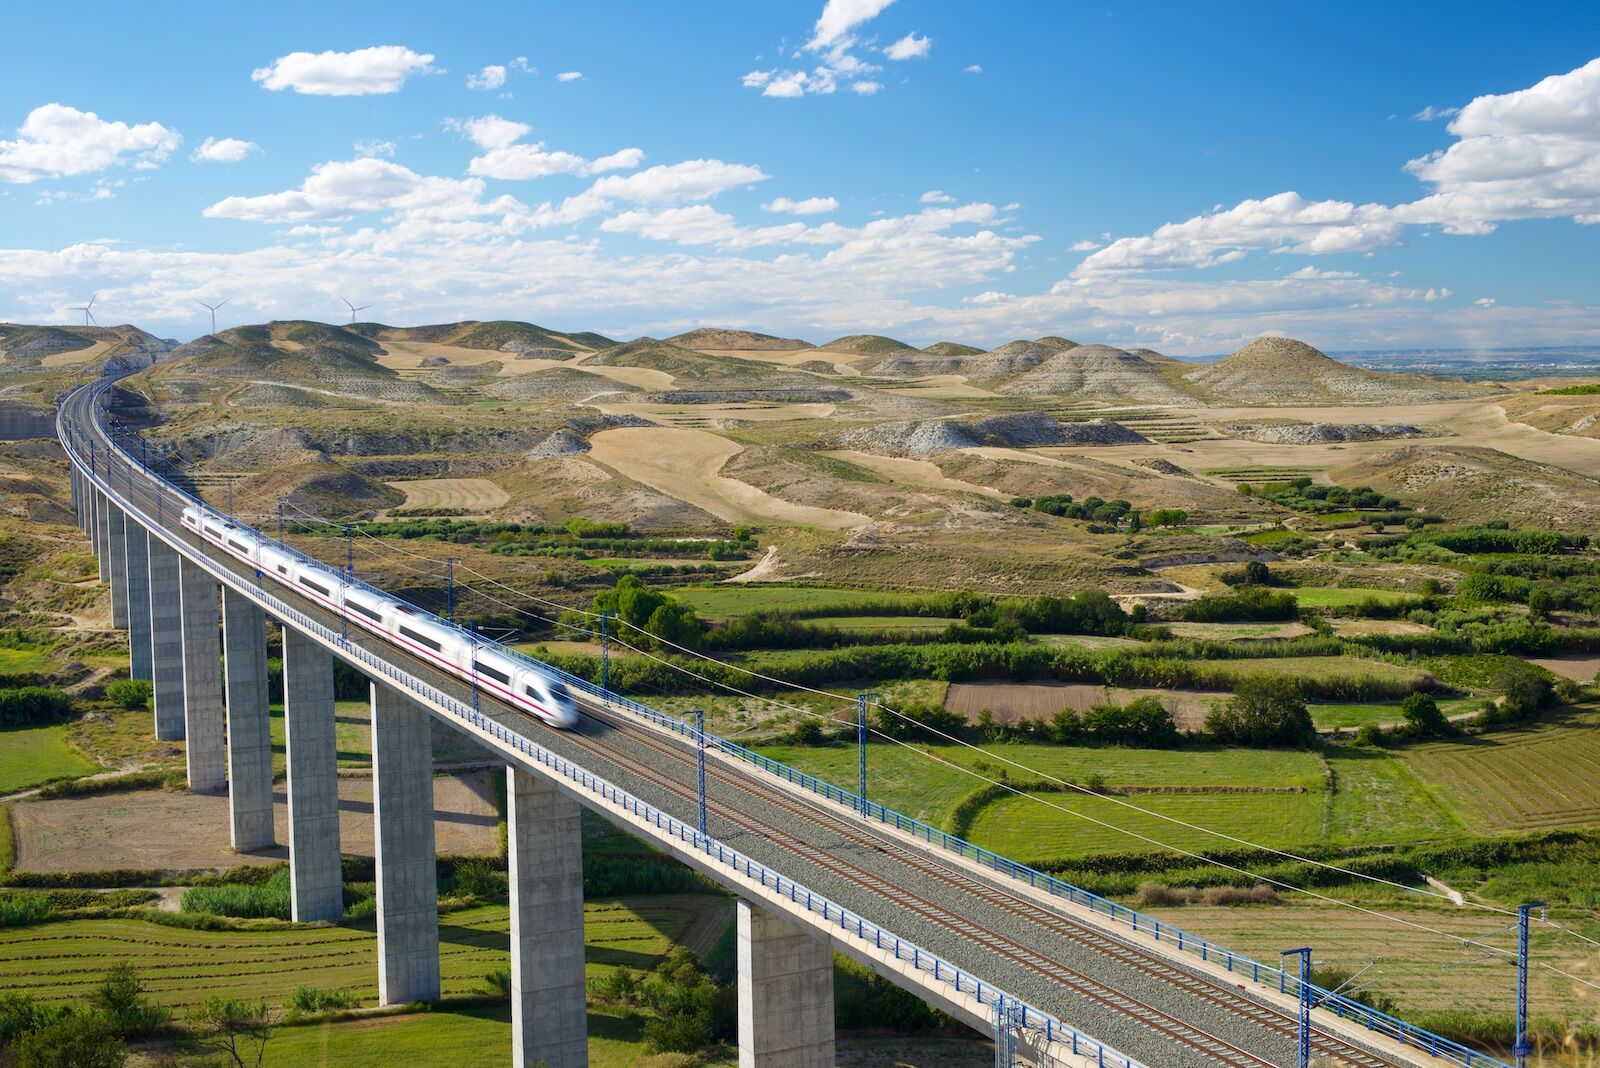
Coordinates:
1181 176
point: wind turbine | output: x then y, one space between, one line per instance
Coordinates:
213 308
88 316
354 308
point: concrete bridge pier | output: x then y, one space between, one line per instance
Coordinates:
408 893
137 548
785 993
202 680
102 535
244 645
166 641
116 538
316 885
544 862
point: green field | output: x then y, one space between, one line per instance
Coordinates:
1333 716
26 661
352 729
1534 777
63 960
1320 667
1052 825
925 623
722 602
918 780
1346 596
30 756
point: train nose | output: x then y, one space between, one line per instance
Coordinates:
566 716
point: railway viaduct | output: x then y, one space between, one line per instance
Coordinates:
1049 970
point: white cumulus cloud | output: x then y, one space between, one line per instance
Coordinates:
491 77
808 206
366 71
909 47
506 157
223 150
972 68
569 76
57 141
936 196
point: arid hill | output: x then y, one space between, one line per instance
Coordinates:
1099 372
716 339
1278 370
866 345
952 349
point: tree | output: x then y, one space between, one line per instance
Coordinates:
121 998
1257 573
235 1028
1526 688
1422 712
1541 602
1263 711
75 1040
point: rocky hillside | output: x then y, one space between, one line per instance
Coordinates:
715 339
501 335
25 348
952 349
307 356
1278 370
1100 372
1024 430
1320 433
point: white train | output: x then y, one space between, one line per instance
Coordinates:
418 632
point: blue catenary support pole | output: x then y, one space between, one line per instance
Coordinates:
349 552
1522 1047
475 665
1304 953
861 749
605 652
700 764
450 588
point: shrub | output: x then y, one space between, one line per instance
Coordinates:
309 1000
1143 721
1264 710
121 998
1421 711
269 899
497 982
1245 604
132 694
477 878
19 910
72 1040
25 705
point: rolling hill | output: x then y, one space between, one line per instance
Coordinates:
1277 370
716 339
866 345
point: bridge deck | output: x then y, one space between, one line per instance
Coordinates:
1146 1005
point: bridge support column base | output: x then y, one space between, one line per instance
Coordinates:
316 887
202 680
544 860
102 535
244 641
785 994
408 895
166 641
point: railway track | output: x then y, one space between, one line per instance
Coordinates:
1195 1039
1324 1044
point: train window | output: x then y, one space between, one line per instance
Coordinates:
357 606
405 609
283 569
494 673
531 692
239 545
420 639
314 585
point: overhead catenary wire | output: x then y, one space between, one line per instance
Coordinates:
387 546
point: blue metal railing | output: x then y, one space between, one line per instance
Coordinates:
1270 975
1046 1026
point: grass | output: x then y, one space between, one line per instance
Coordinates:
1335 716
1346 596
725 602
1538 776
470 1036
1378 798
919 781
1321 667
1037 827
927 623
64 960
25 660
32 756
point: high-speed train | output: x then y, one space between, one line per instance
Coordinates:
407 626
